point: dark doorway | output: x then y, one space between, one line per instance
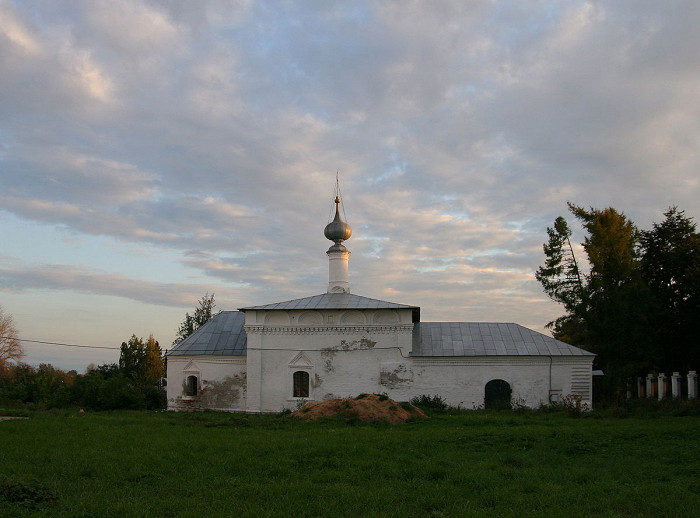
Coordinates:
497 394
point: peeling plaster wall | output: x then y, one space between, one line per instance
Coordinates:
339 365
222 382
460 381
342 356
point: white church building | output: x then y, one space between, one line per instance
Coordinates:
337 344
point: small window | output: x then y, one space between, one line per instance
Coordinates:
191 387
301 384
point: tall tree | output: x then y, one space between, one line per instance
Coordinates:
607 308
10 346
670 256
131 356
561 279
153 365
619 302
142 361
202 314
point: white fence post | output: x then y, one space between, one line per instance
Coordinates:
640 388
692 385
650 391
676 385
662 385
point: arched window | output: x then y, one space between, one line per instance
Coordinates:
497 394
301 384
191 386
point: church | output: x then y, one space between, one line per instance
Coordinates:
272 357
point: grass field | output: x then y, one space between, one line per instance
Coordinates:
469 464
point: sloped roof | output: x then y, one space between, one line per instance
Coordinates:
486 339
223 335
332 301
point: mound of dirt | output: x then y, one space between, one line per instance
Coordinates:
369 408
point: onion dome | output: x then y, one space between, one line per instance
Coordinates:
337 230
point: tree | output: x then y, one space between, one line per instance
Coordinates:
607 309
105 388
142 364
130 355
670 256
561 279
142 361
202 314
153 365
10 346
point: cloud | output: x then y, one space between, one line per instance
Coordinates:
21 277
212 131
15 32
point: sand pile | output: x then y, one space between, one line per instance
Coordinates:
369 408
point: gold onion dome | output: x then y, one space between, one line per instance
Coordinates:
337 230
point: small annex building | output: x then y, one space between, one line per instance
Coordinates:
271 357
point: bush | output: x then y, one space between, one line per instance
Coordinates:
425 402
41 388
103 388
573 405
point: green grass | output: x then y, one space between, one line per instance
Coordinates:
469 464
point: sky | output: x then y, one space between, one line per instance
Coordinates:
155 151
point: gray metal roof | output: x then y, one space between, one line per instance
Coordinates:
332 301
223 335
486 339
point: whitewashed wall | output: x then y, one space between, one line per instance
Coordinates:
222 382
340 350
461 381
350 352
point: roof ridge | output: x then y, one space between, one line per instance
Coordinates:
290 304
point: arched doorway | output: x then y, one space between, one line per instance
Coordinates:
497 394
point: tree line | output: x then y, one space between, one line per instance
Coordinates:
135 382
636 304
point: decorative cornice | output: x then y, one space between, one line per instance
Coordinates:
329 330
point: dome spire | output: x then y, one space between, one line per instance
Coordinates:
338 231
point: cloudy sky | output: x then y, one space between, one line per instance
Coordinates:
151 152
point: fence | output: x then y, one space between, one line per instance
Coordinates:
661 386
